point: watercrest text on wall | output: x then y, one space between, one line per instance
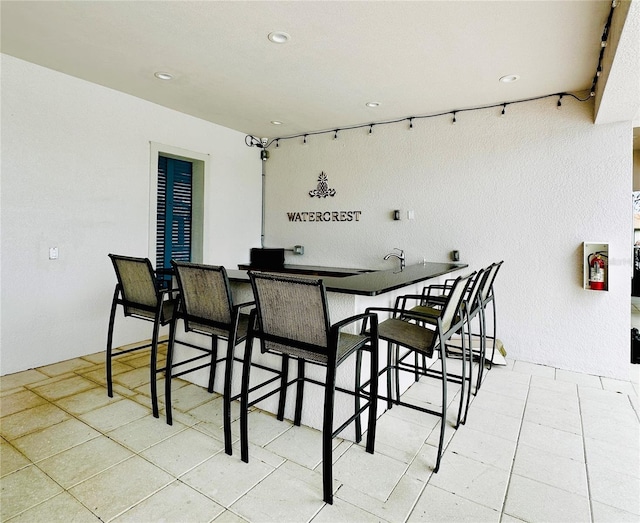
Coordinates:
324 216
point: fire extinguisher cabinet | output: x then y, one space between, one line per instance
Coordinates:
595 266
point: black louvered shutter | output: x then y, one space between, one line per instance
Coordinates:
173 232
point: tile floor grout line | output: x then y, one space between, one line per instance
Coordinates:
249 489
446 446
515 453
32 464
135 453
35 464
18 514
101 432
633 407
408 466
415 503
174 480
584 451
40 429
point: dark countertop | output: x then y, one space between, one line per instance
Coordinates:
362 281
309 270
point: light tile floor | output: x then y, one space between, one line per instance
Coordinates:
540 444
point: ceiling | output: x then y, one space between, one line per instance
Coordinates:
414 58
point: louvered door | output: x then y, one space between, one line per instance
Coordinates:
174 227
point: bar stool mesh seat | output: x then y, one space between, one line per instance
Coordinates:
421 339
136 291
471 308
279 321
481 295
206 307
292 318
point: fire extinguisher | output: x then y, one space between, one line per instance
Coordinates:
597 267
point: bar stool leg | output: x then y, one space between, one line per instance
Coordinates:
373 392
483 347
226 397
297 419
168 372
444 409
327 430
214 361
154 363
244 401
284 376
397 373
112 319
356 397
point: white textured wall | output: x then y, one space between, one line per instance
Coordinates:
528 188
75 174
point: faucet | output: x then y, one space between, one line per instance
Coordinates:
399 256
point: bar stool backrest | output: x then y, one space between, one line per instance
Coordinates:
205 297
474 292
137 284
451 309
293 315
487 287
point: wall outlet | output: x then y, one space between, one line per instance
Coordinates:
455 255
298 249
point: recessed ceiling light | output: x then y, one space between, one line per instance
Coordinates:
279 37
372 104
163 76
276 122
509 78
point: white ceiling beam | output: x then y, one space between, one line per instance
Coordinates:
618 89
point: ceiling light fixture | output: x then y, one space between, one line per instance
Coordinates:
372 104
163 76
276 122
252 141
509 78
279 37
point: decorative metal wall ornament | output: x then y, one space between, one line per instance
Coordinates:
322 191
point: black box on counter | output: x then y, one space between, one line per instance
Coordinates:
267 258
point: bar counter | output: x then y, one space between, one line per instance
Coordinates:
363 282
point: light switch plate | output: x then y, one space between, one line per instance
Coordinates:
53 253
